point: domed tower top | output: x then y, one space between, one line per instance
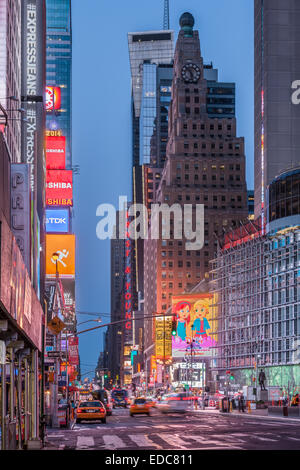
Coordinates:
186 23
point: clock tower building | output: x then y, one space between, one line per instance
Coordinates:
205 164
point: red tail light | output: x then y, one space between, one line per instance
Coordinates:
102 410
79 410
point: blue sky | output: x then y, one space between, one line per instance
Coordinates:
101 118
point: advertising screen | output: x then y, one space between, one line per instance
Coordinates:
59 188
64 246
57 220
163 339
53 98
55 152
196 325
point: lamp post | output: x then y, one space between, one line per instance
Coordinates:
55 423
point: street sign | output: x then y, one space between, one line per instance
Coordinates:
56 325
54 353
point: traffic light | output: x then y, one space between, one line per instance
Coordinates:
105 376
174 328
231 376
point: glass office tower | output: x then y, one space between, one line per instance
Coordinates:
59 68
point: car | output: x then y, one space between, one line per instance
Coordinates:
176 403
91 410
119 397
151 401
105 397
140 405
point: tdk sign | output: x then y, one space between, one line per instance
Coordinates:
57 220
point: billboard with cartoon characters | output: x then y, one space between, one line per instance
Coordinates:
196 324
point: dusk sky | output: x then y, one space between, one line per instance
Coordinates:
102 119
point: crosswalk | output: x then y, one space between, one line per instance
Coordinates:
157 441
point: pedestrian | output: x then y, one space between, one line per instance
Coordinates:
233 403
241 403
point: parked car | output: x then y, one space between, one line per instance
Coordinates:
140 405
91 410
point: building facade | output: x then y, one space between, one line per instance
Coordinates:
59 69
256 279
277 66
205 165
10 73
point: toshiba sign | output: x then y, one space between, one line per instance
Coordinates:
55 152
59 188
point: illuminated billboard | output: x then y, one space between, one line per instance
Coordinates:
57 220
64 246
196 324
59 188
55 152
53 98
163 339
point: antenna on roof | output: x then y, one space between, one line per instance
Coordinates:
166 24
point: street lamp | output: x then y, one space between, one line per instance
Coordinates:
55 257
99 320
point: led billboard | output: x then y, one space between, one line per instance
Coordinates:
59 188
57 220
55 152
196 324
53 98
163 342
64 246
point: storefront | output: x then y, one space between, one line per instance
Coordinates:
21 319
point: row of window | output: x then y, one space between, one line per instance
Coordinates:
211 127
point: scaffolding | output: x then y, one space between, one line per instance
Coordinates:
257 281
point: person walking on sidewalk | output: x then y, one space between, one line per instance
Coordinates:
241 403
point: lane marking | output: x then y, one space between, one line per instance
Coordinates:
113 442
143 440
207 441
264 438
173 440
84 442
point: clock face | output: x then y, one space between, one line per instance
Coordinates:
190 73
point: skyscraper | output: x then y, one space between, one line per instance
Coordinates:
10 72
205 165
277 66
59 70
148 51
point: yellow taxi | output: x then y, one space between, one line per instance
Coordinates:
139 405
151 401
91 410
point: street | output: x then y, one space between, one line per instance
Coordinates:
198 430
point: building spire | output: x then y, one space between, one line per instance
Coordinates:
166 24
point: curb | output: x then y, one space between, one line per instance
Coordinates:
249 415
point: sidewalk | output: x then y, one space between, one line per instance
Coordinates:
263 413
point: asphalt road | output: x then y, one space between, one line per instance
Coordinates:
202 430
